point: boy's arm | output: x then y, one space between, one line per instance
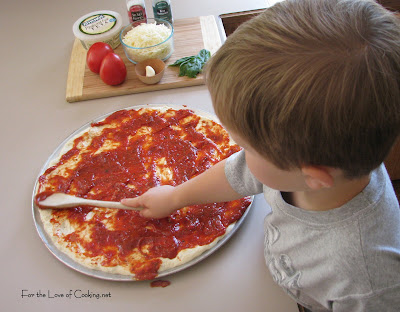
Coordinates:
209 187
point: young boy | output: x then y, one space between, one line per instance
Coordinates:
311 90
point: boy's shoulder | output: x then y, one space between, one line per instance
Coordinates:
379 229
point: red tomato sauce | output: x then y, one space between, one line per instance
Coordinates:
129 170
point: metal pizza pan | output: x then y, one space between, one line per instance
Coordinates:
71 263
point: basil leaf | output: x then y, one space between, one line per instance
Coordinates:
192 65
191 69
182 60
204 55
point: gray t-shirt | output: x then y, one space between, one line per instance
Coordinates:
344 259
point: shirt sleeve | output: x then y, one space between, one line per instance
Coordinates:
239 176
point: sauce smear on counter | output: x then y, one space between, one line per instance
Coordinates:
160 283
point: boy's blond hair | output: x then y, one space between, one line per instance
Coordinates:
313 82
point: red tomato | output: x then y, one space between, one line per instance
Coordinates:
96 54
112 69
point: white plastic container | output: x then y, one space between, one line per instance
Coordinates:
103 26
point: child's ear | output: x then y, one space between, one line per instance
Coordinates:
317 177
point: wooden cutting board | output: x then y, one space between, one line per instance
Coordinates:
190 36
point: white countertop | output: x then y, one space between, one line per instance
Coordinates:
36 46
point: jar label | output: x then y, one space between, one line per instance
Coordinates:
162 10
137 14
97 24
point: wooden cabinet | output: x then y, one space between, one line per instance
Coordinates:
393 5
392 162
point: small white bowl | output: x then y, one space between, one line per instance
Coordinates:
156 64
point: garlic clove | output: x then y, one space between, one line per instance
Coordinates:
150 71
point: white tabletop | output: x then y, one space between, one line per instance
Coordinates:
36 46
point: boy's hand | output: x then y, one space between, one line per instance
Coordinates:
158 202
209 187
